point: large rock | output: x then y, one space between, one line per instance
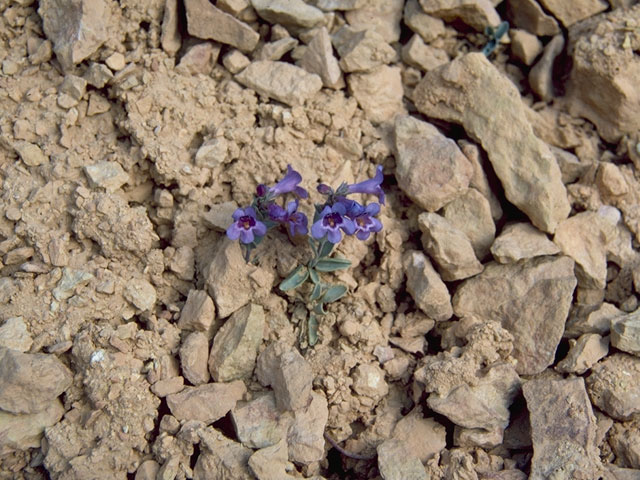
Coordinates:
584 352
194 352
271 463
625 333
563 430
541 75
235 346
258 423
571 12
379 93
24 431
221 458
206 403
426 287
530 298
420 55
318 58
475 13
381 16
430 168
198 313
429 28
397 462
281 81
14 335
603 79
471 91
361 50
528 14
29 383
306 435
77 28
614 386
521 240
424 436
294 13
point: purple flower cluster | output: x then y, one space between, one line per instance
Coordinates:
338 215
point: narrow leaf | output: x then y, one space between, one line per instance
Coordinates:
316 292
334 293
314 276
295 278
312 330
314 248
332 264
319 309
325 249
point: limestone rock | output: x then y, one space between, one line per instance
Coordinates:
528 14
140 293
471 213
601 86
235 61
449 247
614 386
625 333
30 154
584 352
70 279
430 168
210 23
525 46
170 38
425 437
479 179
423 56
108 175
381 16
168 386
235 346
24 431
518 241
258 423
198 313
306 435
221 458
429 28
584 237
215 151
318 58
206 403
471 91
199 59
271 463
368 380
29 383
288 12
194 353
530 298
14 335
541 75
625 443
379 93
281 81
597 320
611 181
361 50
219 214
77 28
330 5
425 286
397 462
571 13
475 13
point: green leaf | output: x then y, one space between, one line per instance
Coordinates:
314 248
334 293
332 264
316 292
325 249
312 330
314 276
295 278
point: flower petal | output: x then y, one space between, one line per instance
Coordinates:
317 230
334 235
233 232
237 214
373 209
259 228
246 236
376 225
348 226
362 235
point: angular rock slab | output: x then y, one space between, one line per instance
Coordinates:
206 403
475 13
25 431
426 287
625 333
472 92
571 12
614 386
294 13
530 298
379 93
528 14
281 81
563 430
397 462
318 58
521 240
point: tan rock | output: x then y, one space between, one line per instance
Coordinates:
218 217
428 27
272 462
97 104
330 5
449 247
235 61
475 13
306 435
430 168
479 179
397 462
206 403
24 431
107 175
199 59
215 151
98 75
521 240
584 352
221 458
465 91
528 14
235 346
379 93
425 437
234 7
170 38
570 165
288 12
541 75
361 50
530 298
318 58
425 286
625 333
281 81
30 154
614 386
198 313
210 23
569 14
471 214
29 383
381 16
563 429
597 319
525 46
423 56
368 380
14 335
258 423
625 443
611 181
140 293
194 354
168 386
277 49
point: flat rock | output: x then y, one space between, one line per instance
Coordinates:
530 298
528 15
525 46
426 287
198 313
379 93
625 333
475 13
30 154
331 5
108 175
235 346
614 386
70 279
361 50
601 85
219 214
570 13
170 37
168 386
563 429
259 423
206 403
597 319
397 462
381 16
194 353
221 458
277 49
271 463
425 437
210 23
235 61
140 293
368 381
471 91
199 59
14 335
24 431
433 179
420 55
541 75
449 247
429 28
77 29
471 213
281 81
584 352
29 383
288 12
306 435
584 237
318 58
519 241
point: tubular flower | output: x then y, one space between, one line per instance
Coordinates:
246 226
365 220
296 222
371 186
289 184
332 220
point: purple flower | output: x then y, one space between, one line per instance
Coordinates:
246 226
289 184
371 186
295 221
332 220
324 189
366 222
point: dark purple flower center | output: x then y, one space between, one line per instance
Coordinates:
247 222
332 219
363 221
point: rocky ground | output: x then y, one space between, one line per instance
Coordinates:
491 329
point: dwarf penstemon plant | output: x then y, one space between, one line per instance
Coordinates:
337 216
